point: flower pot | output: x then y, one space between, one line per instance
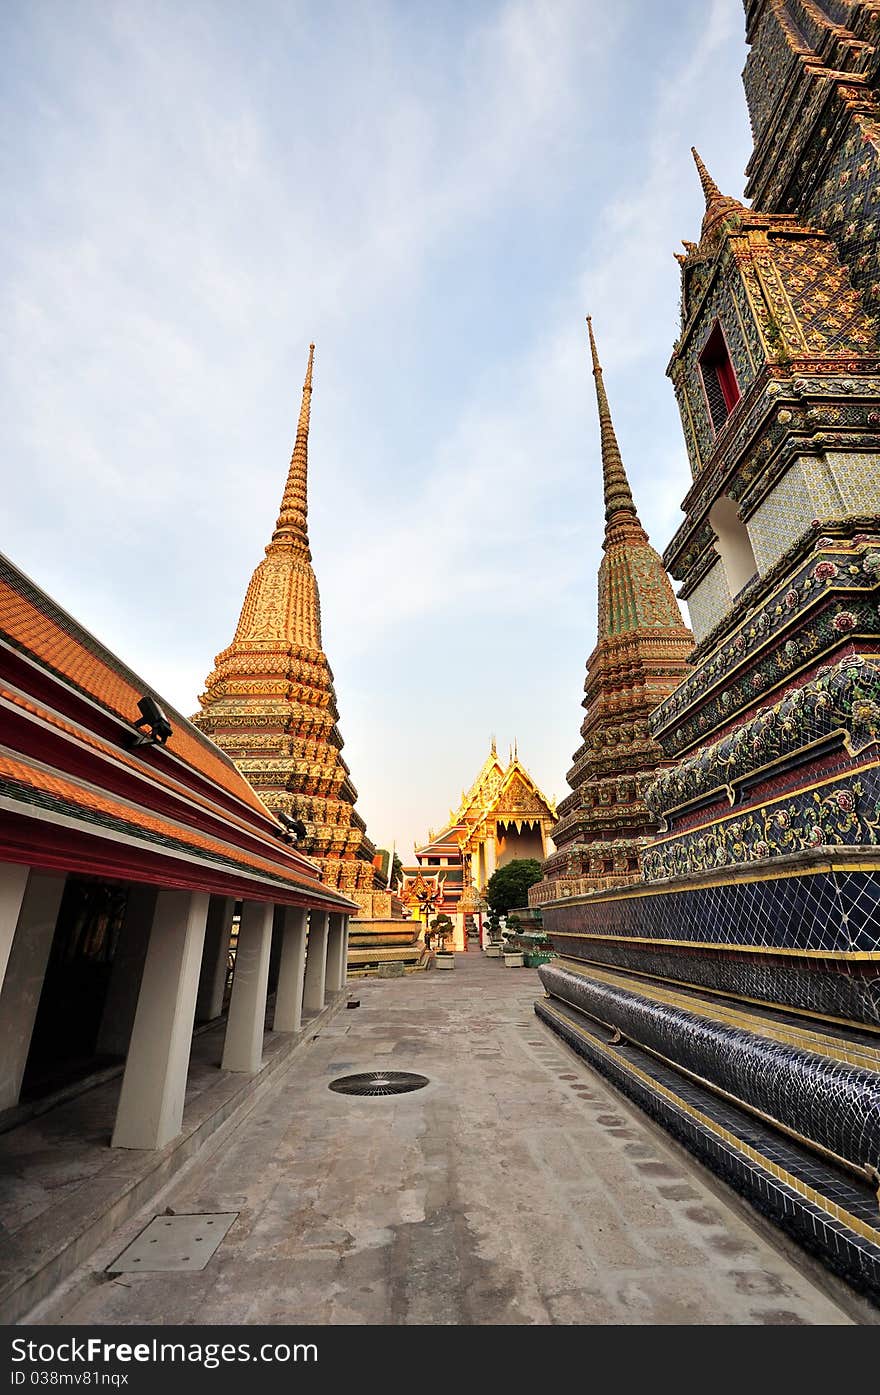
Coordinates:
513 961
493 951
444 961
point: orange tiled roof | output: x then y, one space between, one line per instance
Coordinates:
81 801
36 625
120 757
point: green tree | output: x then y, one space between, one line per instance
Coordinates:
509 886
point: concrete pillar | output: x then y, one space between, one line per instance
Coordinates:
26 963
215 966
316 962
291 970
490 846
346 920
246 1023
13 880
120 1005
336 954
150 1109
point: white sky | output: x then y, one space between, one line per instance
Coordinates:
437 194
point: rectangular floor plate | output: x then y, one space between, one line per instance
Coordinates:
174 1242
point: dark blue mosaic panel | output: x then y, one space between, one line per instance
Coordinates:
828 987
828 1101
796 912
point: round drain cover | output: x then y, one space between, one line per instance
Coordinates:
379 1082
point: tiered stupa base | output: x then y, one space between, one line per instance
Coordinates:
380 941
741 1010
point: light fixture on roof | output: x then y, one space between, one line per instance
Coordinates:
295 828
153 718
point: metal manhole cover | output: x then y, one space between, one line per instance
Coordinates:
174 1243
379 1082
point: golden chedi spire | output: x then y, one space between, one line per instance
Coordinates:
270 702
292 522
634 590
640 656
618 495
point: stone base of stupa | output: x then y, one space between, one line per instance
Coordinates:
741 1010
381 936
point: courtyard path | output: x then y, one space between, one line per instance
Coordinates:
516 1188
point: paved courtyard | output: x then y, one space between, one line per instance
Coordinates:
516 1188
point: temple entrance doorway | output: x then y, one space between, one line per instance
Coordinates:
517 839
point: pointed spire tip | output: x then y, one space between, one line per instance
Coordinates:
710 188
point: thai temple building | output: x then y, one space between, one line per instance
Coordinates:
270 702
640 657
502 817
733 991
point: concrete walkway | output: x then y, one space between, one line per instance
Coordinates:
515 1188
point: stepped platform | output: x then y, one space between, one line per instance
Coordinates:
741 1012
384 942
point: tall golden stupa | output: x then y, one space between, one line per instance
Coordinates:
640 656
270 703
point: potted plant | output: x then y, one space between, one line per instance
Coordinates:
443 957
493 949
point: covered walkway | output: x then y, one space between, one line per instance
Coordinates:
515 1188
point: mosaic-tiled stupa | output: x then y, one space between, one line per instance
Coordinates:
639 658
735 993
270 703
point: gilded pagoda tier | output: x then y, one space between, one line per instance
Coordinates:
640 657
270 702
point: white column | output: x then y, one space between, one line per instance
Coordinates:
13 880
291 971
120 1005
212 982
346 921
316 962
335 954
245 1026
23 980
150 1109
490 846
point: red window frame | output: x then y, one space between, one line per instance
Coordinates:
720 386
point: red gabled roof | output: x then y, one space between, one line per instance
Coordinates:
67 706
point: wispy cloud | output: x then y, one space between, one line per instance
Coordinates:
435 194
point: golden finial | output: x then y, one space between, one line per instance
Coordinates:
618 495
710 188
293 519
718 206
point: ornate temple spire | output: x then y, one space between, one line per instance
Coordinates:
718 206
618 495
292 525
270 702
710 188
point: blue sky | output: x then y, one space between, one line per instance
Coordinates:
437 194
